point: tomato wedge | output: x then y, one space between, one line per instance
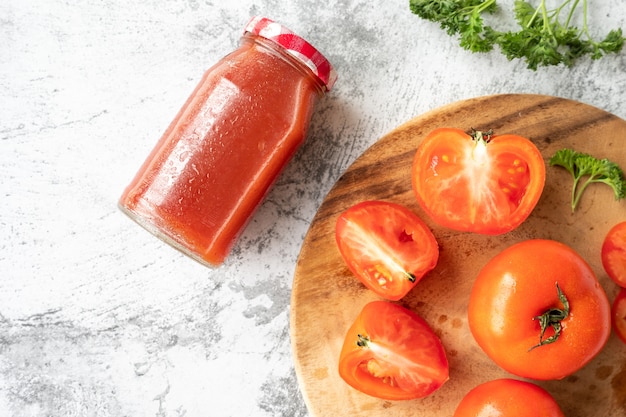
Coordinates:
619 314
538 311
392 353
387 246
477 182
614 254
508 397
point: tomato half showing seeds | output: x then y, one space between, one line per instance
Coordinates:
508 397
387 246
392 353
619 314
475 182
538 311
614 254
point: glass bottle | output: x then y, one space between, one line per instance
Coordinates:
229 142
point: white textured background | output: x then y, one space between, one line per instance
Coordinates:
97 317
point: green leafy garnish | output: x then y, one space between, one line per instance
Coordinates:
586 169
544 36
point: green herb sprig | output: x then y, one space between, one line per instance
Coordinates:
586 170
545 36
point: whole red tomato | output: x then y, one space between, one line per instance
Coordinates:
619 314
538 311
510 398
387 246
614 254
477 182
392 353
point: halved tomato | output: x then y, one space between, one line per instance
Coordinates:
619 314
508 397
387 246
392 353
614 254
477 182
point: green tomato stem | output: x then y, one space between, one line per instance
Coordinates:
363 341
552 318
480 136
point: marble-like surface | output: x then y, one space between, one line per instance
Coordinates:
99 318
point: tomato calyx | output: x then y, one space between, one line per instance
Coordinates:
480 136
552 318
362 341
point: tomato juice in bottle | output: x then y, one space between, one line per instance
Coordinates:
230 141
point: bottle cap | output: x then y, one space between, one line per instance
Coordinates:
296 46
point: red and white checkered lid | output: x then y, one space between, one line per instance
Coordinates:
296 46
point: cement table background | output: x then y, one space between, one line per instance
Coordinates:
98 317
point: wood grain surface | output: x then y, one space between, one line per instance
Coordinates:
326 298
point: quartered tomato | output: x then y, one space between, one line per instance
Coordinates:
619 314
387 246
392 353
614 254
538 311
477 182
508 397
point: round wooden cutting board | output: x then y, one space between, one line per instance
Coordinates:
326 298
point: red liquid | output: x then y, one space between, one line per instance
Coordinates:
224 150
